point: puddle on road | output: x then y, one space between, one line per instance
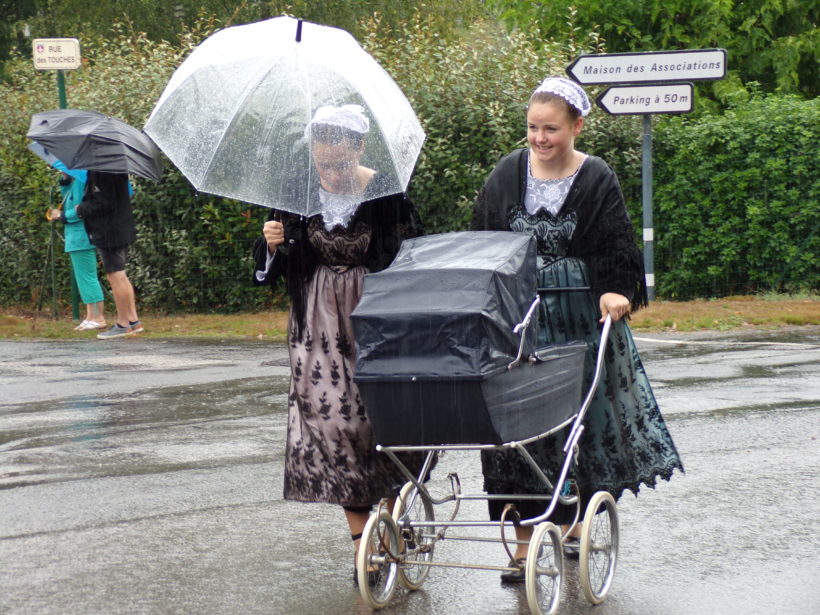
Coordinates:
161 430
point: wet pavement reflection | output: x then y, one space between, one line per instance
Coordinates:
145 476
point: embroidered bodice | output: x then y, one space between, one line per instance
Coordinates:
340 246
553 233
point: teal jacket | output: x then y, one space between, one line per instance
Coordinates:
76 237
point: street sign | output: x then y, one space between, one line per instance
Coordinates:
56 53
646 99
649 66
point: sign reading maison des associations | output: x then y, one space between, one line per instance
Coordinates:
649 66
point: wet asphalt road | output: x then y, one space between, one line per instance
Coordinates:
145 476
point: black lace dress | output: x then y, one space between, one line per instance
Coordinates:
330 450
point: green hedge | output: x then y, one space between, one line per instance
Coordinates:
737 200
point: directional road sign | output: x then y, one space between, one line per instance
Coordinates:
56 53
654 66
646 99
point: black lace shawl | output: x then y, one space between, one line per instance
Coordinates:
604 238
393 218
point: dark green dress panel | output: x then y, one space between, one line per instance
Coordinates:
625 442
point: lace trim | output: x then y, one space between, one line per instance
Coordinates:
337 209
547 194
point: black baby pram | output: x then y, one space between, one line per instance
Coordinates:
446 360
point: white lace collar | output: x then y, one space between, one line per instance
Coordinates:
337 209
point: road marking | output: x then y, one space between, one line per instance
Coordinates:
725 343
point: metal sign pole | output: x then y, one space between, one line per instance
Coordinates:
648 230
59 54
75 293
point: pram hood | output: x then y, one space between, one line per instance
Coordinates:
446 307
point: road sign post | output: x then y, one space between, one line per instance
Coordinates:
59 54
648 83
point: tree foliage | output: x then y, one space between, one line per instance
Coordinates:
772 42
164 20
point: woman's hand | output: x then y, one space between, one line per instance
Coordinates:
615 305
274 234
54 215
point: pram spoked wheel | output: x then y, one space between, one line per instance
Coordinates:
599 547
418 539
377 560
544 569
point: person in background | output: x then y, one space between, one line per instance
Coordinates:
79 248
330 453
572 203
106 212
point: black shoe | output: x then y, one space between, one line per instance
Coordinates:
572 547
372 578
516 576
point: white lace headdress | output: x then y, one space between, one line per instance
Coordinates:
351 117
568 90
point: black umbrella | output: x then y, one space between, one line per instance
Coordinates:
95 142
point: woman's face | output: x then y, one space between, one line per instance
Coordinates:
551 131
338 166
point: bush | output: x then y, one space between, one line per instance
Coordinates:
736 200
470 94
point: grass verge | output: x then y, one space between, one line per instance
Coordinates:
767 311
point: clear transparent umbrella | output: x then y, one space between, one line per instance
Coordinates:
232 117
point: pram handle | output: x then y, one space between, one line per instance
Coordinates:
521 329
543 290
522 326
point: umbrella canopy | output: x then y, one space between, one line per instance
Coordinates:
233 116
95 142
42 153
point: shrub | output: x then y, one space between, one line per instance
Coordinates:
736 200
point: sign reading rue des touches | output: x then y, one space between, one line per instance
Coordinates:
649 66
56 53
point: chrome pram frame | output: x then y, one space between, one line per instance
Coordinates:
398 545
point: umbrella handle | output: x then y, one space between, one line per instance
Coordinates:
51 202
289 241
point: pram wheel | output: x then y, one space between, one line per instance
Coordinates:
377 562
599 547
420 539
544 569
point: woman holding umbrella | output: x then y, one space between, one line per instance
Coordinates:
330 452
77 244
